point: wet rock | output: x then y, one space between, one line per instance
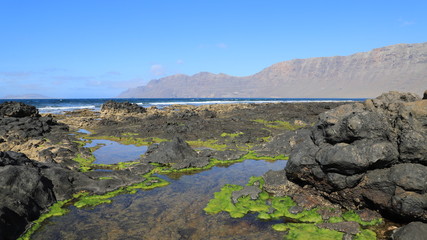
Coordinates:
352 228
276 182
412 231
296 209
283 143
228 155
28 187
251 191
176 153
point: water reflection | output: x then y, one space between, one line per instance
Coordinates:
171 212
112 152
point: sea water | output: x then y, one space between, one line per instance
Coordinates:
58 106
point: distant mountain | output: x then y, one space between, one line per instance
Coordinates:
26 96
401 67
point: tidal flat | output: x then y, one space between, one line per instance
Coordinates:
171 212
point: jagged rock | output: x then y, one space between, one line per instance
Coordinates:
412 231
371 154
28 187
117 109
18 110
176 153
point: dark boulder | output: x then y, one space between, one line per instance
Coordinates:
27 188
176 153
412 231
371 154
118 109
18 110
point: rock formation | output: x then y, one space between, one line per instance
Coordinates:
401 67
371 154
176 153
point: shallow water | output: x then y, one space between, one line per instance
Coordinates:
113 152
171 212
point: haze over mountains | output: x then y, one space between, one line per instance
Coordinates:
401 67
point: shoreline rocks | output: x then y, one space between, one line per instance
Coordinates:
371 154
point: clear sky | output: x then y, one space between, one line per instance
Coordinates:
99 48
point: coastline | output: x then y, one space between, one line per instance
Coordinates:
225 132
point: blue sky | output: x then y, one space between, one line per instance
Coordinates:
91 48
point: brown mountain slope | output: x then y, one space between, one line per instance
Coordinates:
401 67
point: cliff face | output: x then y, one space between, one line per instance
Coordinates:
401 67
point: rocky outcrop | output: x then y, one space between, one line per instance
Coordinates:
120 109
412 231
176 153
22 129
28 187
371 154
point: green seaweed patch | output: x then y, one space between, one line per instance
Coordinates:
268 207
282 125
84 162
210 143
303 231
55 210
151 182
252 155
231 135
81 143
366 234
222 201
256 181
352 216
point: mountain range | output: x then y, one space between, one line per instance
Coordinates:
401 67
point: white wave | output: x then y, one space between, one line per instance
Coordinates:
54 109
208 102
64 108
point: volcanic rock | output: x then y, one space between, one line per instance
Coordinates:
371 154
412 231
176 153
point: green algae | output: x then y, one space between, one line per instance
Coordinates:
231 135
84 162
56 209
352 216
303 231
366 234
87 200
210 143
254 156
268 207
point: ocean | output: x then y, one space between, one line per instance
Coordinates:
59 106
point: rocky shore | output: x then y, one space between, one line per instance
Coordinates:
370 155
363 155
